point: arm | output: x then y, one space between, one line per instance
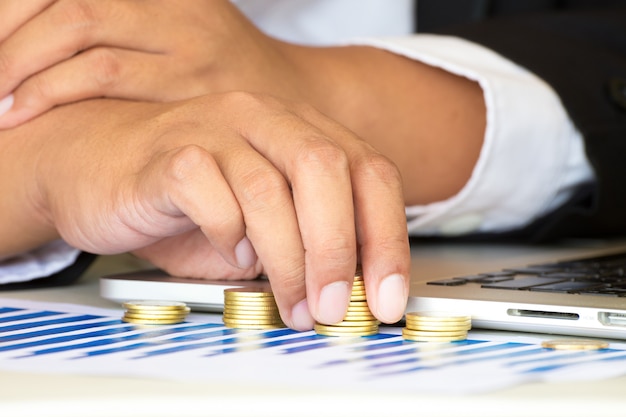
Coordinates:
580 53
423 118
227 185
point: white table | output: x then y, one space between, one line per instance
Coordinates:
26 394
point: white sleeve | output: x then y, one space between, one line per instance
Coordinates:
38 263
532 157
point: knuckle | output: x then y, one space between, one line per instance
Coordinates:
321 154
262 189
107 67
244 100
293 278
375 167
40 88
76 12
185 162
338 251
79 15
6 66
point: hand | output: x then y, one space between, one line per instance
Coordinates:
422 118
203 187
60 51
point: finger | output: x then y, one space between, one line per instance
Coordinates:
382 235
73 26
15 13
380 223
272 226
98 72
191 255
318 172
185 184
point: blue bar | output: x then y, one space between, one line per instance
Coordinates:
63 339
233 340
56 330
26 316
265 345
179 339
461 361
4 310
414 348
103 342
452 353
329 341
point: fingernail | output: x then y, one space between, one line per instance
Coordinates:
391 299
301 318
245 254
333 302
6 104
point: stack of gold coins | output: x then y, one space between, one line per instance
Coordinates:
359 320
251 308
436 327
155 312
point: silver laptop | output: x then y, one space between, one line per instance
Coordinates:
577 290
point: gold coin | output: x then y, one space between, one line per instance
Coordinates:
436 316
358 315
251 309
251 306
359 311
267 301
150 316
247 293
154 305
184 311
356 323
248 300
575 344
151 321
420 333
347 334
413 322
256 320
347 329
358 304
255 326
230 316
432 338
251 313
437 328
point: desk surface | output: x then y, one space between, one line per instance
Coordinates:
68 395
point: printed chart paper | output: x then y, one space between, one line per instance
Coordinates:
73 339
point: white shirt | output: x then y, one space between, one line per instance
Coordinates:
532 156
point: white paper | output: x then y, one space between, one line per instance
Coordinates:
73 339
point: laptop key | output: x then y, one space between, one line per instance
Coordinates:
569 286
448 282
497 278
522 283
534 269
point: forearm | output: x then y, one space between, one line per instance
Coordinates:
31 155
430 122
24 225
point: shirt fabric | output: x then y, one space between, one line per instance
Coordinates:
532 156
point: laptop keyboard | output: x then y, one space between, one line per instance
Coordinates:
602 275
